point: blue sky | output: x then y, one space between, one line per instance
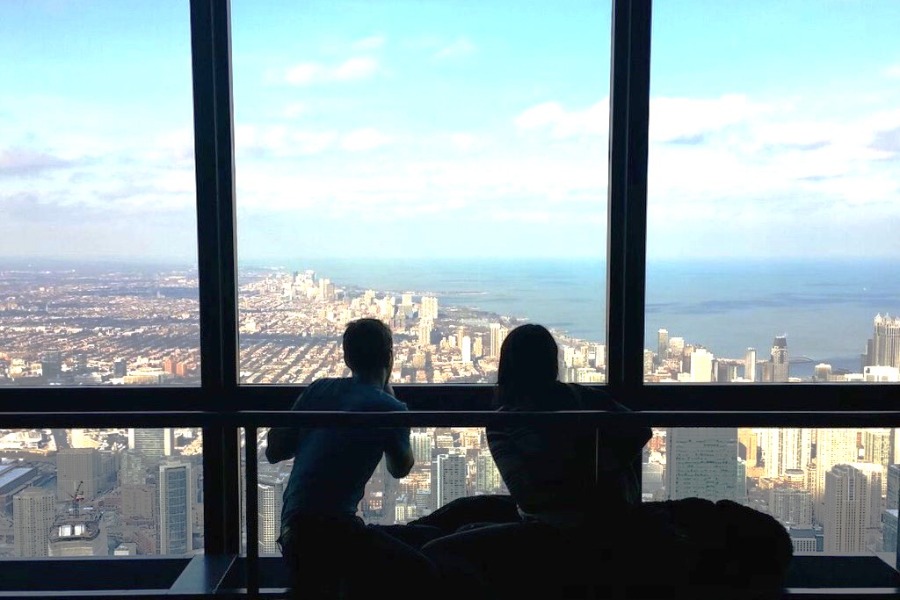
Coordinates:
454 129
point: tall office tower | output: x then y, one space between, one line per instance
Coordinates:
33 512
429 308
422 443
747 446
852 506
648 361
822 372
833 447
785 449
676 346
884 347
498 334
78 535
152 442
451 478
139 502
466 349
877 450
892 498
701 462
51 364
478 346
406 299
791 506
133 469
120 368
750 364
889 530
600 356
74 466
270 492
701 366
487 475
662 346
175 498
323 288
425 329
781 367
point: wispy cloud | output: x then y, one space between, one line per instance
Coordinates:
373 42
362 140
893 71
564 123
28 163
353 69
457 49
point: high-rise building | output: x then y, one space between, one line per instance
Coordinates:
892 499
889 530
781 367
120 368
422 443
487 475
785 449
884 347
747 446
701 462
139 502
852 502
833 447
791 506
152 442
466 347
425 329
498 334
175 498
270 492
33 512
78 466
750 364
451 478
78 535
662 345
429 308
51 364
701 366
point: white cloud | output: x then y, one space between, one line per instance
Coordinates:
293 110
364 139
463 141
352 69
676 119
457 49
562 123
373 42
355 68
893 71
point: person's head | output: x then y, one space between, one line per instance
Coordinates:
368 348
529 364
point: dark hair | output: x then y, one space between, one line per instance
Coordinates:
529 365
368 345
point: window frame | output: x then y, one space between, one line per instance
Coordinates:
217 404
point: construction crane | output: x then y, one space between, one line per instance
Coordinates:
76 498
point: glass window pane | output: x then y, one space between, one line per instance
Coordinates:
428 164
834 490
451 463
101 492
774 139
98 256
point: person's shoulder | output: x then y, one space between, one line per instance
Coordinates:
589 398
387 402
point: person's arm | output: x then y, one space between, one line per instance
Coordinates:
398 455
281 442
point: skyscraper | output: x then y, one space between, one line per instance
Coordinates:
152 442
786 448
498 334
466 347
852 502
422 442
701 462
750 365
487 475
270 492
425 328
662 345
833 447
33 512
791 506
175 499
701 366
451 478
884 347
781 367
76 466
429 308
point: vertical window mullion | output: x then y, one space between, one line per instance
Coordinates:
210 50
629 114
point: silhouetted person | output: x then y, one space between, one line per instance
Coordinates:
328 548
572 485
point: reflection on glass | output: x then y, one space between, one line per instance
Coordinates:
428 165
834 490
772 193
101 492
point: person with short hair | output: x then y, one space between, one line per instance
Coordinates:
327 546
